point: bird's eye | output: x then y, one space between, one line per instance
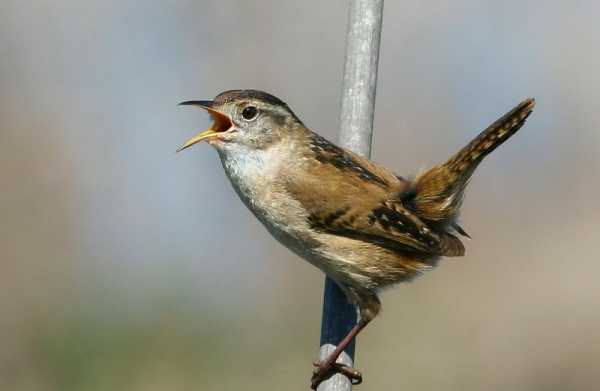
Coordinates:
249 113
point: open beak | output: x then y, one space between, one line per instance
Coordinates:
221 122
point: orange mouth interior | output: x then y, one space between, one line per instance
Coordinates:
221 122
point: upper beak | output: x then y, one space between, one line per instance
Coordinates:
221 122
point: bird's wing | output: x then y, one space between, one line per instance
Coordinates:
388 224
347 195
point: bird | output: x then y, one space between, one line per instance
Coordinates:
364 226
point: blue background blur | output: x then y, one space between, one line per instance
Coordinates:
126 266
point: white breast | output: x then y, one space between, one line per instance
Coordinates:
256 176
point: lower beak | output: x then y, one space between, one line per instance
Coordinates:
197 138
221 123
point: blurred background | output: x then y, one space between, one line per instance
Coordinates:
127 267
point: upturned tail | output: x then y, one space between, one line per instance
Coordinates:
437 194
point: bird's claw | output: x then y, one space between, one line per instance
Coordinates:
325 369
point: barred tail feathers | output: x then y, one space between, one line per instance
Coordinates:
439 191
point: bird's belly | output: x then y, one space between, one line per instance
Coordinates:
281 215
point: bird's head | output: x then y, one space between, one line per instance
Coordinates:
244 118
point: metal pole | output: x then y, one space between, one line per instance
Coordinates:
356 129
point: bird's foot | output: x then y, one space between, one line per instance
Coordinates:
325 369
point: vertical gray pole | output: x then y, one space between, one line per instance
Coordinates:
356 129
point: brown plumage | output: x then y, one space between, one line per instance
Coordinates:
438 193
362 225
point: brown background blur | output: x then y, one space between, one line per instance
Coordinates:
127 267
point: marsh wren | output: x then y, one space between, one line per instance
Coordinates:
362 225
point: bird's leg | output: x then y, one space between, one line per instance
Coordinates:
369 305
327 367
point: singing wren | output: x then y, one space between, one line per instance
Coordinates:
362 225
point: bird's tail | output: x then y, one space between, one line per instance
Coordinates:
437 194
